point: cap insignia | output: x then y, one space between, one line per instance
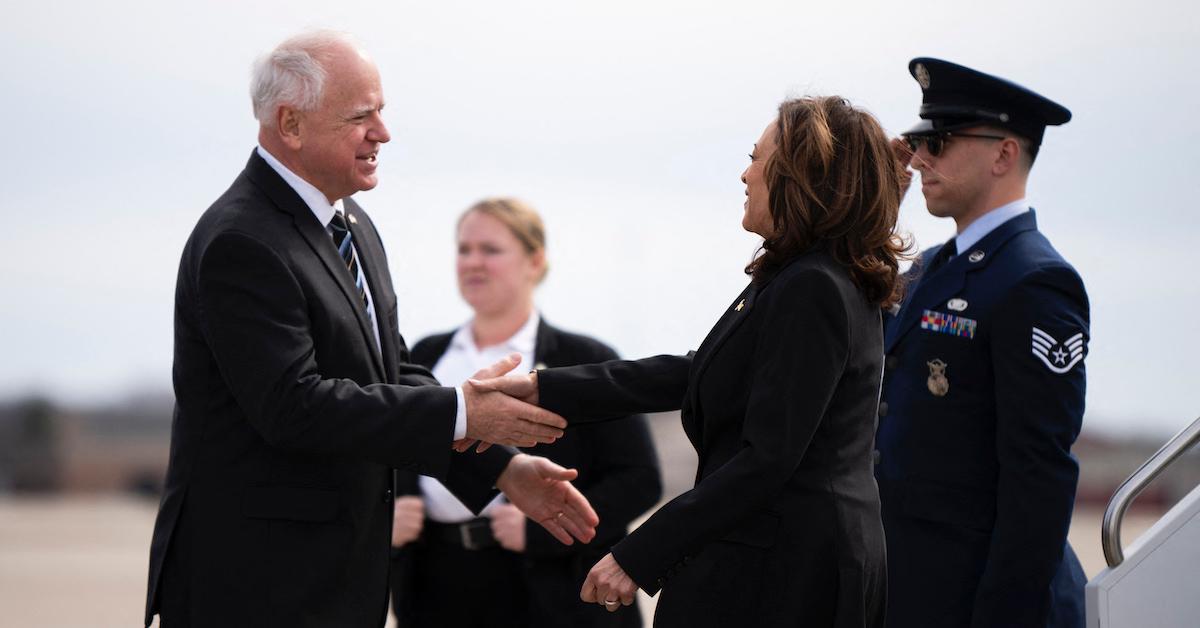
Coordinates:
922 75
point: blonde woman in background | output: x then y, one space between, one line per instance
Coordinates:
514 573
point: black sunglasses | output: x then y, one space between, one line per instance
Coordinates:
937 143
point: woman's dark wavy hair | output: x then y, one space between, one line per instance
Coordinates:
834 182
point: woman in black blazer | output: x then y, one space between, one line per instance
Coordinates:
502 569
783 525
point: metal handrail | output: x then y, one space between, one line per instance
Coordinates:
1110 530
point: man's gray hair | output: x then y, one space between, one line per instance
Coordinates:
292 74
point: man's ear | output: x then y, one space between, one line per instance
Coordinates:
287 125
1008 158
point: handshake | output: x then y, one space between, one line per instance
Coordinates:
502 410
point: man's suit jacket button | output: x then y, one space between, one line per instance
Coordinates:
387 496
883 408
892 362
876 456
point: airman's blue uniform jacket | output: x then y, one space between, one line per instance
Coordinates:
983 395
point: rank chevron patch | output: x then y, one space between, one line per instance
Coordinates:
1059 357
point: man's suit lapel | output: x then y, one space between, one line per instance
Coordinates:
929 292
319 241
373 264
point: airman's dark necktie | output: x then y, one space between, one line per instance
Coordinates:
345 246
948 250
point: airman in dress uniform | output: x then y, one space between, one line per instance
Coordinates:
983 391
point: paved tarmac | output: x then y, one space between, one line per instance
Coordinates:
81 562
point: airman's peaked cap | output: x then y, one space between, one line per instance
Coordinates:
955 97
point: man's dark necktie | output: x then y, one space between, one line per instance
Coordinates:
345 246
948 250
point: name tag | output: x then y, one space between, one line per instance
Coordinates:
960 326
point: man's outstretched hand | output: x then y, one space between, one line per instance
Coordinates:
496 417
543 491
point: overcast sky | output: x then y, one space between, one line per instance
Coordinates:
626 123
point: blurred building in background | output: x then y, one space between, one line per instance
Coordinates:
45 447
48 448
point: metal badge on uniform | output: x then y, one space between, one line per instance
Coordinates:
352 218
1059 357
957 305
937 382
740 305
941 323
976 256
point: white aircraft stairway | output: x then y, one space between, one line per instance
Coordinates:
1158 584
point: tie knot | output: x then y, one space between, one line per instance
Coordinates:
338 223
948 250
345 246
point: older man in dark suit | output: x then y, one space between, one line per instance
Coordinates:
294 393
